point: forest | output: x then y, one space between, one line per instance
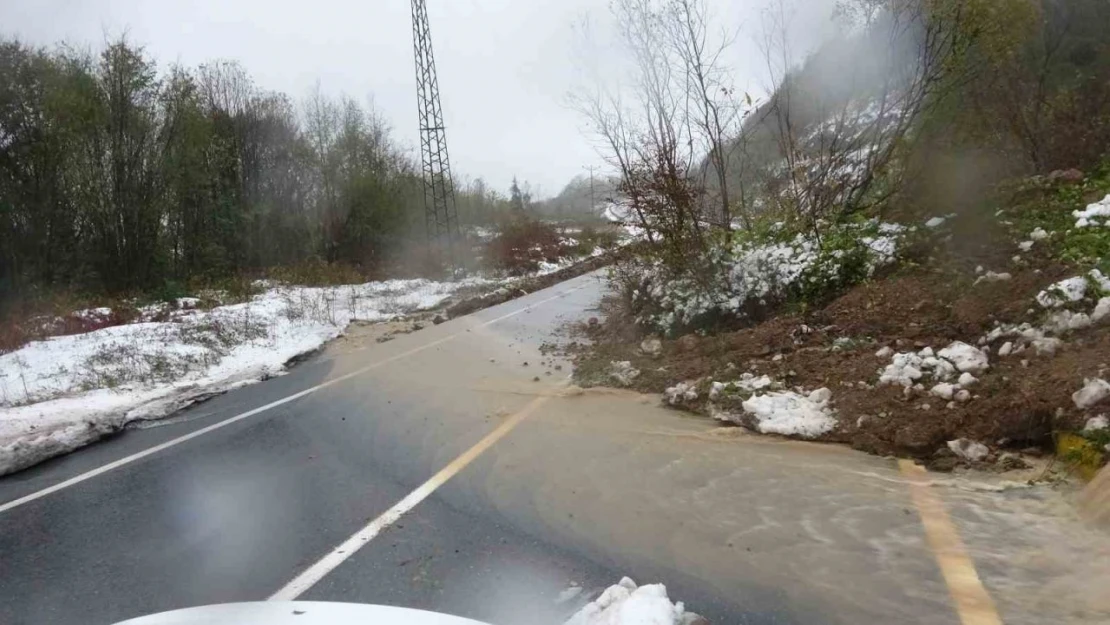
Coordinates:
121 177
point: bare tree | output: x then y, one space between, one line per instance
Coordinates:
712 104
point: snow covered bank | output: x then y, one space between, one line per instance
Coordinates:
62 393
757 274
628 604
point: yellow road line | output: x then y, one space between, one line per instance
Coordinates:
313 574
973 604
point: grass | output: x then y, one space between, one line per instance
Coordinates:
1040 203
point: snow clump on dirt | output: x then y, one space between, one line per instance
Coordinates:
908 368
681 393
969 450
623 372
791 414
629 604
1094 391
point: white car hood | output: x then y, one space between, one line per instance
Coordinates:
298 613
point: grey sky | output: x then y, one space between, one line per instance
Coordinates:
505 66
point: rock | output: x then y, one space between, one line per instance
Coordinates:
536 379
885 352
922 436
969 450
385 339
593 322
623 372
1066 176
962 396
1094 391
417 327
1011 462
652 347
688 343
944 464
966 379
1035 452
438 319
1006 349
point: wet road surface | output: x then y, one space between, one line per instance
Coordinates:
583 489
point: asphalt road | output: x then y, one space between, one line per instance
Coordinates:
583 488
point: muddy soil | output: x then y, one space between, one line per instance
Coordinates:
1017 405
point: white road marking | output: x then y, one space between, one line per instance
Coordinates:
313 574
15 503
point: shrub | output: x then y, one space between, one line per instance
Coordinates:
521 244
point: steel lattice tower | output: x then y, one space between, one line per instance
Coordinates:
440 215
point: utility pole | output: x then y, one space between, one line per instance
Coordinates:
441 218
593 201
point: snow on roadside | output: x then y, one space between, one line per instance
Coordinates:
628 604
65 392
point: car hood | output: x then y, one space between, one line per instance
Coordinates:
298 613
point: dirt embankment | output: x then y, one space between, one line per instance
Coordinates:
1016 405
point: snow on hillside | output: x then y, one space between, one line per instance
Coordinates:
64 392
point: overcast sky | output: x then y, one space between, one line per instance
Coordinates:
505 66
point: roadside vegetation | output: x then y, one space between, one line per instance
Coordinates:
903 247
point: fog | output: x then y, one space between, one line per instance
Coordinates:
505 67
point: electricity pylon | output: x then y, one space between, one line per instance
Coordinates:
441 217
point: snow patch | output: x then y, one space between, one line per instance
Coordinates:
791 414
1096 424
64 392
968 450
681 393
1097 214
1094 391
629 604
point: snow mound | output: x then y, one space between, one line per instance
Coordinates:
1097 214
791 414
907 368
967 358
628 604
62 393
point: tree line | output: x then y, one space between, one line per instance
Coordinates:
116 176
